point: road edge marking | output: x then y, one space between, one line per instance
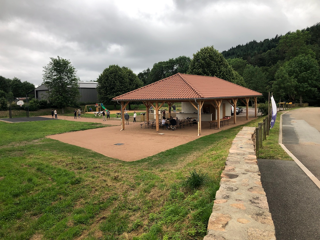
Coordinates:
296 160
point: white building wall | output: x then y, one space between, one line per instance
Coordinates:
188 108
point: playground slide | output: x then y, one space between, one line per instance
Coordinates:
103 106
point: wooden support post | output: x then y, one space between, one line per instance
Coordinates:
255 106
235 100
194 105
247 108
218 103
148 109
123 106
157 117
257 142
265 128
200 115
169 106
260 135
147 104
122 116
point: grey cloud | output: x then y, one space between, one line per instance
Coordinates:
84 32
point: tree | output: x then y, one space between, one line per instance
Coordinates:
144 76
3 103
115 81
168 68
284 85
60 78
15 85
305 69
209 62
238 64
255 78
294 44
4 84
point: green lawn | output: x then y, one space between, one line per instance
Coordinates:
53 190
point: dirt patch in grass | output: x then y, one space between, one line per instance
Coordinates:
37 237
23 143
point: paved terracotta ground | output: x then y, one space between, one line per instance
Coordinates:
137 142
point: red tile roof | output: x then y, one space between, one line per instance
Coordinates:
186 87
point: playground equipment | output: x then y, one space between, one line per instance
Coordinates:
98 107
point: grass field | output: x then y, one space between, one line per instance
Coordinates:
53 190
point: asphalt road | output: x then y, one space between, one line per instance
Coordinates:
301 136
294 200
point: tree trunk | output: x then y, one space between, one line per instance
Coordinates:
62 110
300 101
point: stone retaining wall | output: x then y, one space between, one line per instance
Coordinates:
241 210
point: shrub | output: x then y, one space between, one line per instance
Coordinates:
34 105
43 104
263 108
195 180
3 104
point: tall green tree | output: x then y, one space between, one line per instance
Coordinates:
294 44
255 79
238 64
60 78
209 62
114 81
144 76
168 68
284 85
4 84
305 69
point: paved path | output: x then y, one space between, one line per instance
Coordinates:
301 137
293 200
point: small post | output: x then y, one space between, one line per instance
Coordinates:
27 104
264 128
257 142
10 113
260 135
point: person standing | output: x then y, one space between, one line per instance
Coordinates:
104 115
52 113
79 113
75 114
108 114
174 108
55 114
126 117
134 116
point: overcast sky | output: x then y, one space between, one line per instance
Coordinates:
94 34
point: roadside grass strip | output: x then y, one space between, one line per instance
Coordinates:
53 190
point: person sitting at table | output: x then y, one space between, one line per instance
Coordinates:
173 123
164 122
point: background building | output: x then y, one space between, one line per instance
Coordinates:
88 92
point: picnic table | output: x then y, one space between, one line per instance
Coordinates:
223 121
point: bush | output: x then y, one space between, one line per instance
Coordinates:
195 180
263 108
43 104
34 105
3 104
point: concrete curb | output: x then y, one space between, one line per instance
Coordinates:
303 168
